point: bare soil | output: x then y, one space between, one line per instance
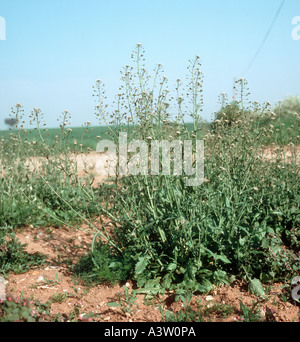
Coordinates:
55 277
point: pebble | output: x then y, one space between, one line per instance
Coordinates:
20 281
209 298
209 305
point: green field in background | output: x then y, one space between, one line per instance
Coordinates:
87 137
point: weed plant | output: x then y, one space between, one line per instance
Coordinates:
189 238
40 182
13 257
23 310
243 221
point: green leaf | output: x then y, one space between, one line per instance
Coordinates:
217 257
171 267
113 304
167 281
242 241
294 210
223 258
256 288
227 201
270 230
204 287
151 288
279 213
141 264
221 276
275 249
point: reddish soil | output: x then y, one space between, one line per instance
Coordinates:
67 244
63 243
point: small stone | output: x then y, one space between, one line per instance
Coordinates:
209 305
209 298
40 279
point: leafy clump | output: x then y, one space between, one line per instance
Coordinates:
251 314
17 310
103 265
13 257
190 238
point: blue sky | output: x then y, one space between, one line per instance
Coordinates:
55 50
